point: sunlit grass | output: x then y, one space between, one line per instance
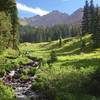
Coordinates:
68 73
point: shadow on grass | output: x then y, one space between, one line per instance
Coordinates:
46 44
75 48
50 45
95 62
75 51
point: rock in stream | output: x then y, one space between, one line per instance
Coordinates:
22 89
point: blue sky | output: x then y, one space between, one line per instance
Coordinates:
29 8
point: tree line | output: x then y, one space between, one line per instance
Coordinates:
91 22
42 34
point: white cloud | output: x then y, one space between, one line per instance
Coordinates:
37 10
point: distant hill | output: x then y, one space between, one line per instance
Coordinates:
54 18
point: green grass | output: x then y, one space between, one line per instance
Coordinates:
68 78
70 46
6 93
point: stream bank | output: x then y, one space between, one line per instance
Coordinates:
22 86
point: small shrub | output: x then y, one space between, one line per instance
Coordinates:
53 58
6 93
2 72
25 71
94 84
37 86
32 71
24 78
60 41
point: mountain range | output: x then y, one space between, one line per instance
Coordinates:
54 18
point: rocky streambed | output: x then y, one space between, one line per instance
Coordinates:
22 87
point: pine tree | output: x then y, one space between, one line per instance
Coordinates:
96 34
91 23
98 26
60 41
91 18
82 44
5 27
85 21
14 21
9 8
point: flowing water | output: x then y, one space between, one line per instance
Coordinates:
22 89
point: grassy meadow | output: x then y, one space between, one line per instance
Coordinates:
73 76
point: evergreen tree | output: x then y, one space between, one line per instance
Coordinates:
60 41
14 21
96 34
8 7
73 31
91 23
5 27
53 56
92 18
85 21
82 44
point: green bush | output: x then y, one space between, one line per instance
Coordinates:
52 59
25 71
24 78
32 71
58 83
70 96
37 86
2 72
6 93
53 56
94 83
5 66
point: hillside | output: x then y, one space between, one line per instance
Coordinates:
70 46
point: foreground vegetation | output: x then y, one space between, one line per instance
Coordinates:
74 75
6 93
